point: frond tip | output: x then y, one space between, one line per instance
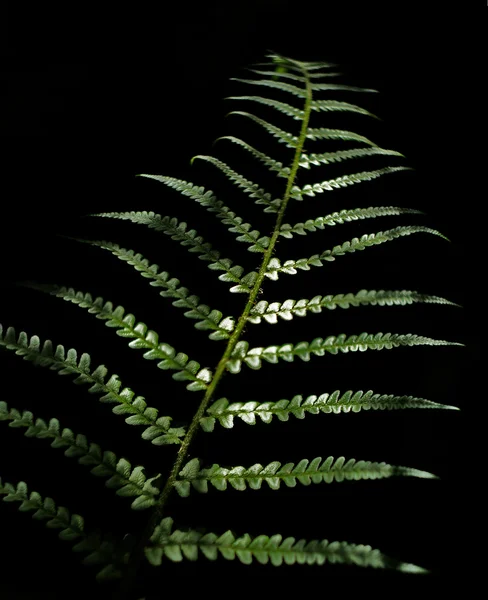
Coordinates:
177 545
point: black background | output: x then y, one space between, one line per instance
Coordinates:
93 97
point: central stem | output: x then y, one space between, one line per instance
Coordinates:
138 552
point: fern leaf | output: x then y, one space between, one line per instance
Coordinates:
142 337
209 201
323 133
56 360
343 181
282 136
367 240
306 472
102 551
273 165
283 107
335 105
207 318
270 311
301 92
248 186
225 412
306 160
178 544
344 216
127 481
292 76
332 344
178 231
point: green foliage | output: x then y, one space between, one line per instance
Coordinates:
121 558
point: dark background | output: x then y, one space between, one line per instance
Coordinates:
93 97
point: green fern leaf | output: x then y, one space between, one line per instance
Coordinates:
225 412
306 472
296 113
365 241
56 360
323 133
300 78
177 545
249 187
301 92
210 202
282 136
269 311
273 165
206 317
319 346
344 216
306 160
343 181
178 231
335 105
143 338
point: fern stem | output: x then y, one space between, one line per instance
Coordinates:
138 552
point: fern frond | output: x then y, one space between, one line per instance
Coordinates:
306 160
248 186
178 231
332 344
323 133
273 165
307 472
343 181
210 202
225 412
142 337
301 92
281 60
282 136
335 105
345 216
206 317
292 76
159 431
283 107
270 311
124 479
72 528
365 241
275 550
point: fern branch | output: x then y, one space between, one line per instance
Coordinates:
273 165
306 472
292 76
367 240
323 133
206 317
102 551
275 550
270 311
159 431
178 231
142 337
209 201
224 412
332 344
301 92
344 216
283 107
248 186
344 181
326 158
335 105
282 136
124 479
